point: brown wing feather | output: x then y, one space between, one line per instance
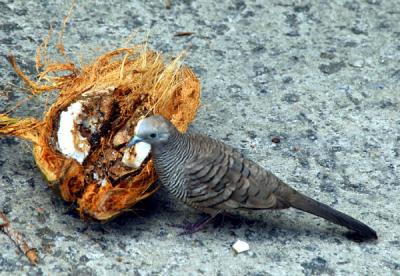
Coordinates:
222 178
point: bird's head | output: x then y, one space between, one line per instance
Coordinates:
152 130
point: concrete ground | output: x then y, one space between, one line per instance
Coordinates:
322 75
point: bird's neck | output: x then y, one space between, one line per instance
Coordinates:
175 142
169 160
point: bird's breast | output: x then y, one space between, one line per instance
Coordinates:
170 171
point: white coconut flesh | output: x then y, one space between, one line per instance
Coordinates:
70 141
136 158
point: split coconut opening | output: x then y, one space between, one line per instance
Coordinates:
91 132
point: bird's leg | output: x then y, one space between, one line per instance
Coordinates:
220 219
197 226
190 228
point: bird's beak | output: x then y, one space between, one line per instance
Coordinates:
134 141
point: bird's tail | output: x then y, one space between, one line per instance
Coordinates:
309 205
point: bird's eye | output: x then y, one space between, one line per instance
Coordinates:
153 135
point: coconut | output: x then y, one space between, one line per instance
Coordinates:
81 144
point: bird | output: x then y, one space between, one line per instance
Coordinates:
214 177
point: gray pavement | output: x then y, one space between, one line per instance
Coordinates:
322 75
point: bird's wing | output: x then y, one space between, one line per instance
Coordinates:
221 177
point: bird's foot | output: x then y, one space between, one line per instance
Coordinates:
190 228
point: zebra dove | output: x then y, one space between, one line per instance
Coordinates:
213 177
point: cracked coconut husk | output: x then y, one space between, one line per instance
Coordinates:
80 145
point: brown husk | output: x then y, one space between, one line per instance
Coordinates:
141 84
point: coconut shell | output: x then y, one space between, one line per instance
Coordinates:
123 86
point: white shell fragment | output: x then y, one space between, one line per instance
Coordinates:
136 158
240 246
70 142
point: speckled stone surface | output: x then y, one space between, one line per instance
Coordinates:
323 76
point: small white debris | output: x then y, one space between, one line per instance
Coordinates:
136 158
358 63
70 141
240 246
95 176
103 182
